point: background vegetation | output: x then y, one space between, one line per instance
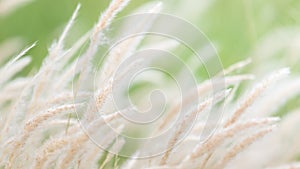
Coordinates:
236 26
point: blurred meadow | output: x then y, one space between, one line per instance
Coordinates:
236 27
267 32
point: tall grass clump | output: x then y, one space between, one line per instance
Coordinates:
57 116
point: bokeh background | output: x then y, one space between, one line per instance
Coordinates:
235 26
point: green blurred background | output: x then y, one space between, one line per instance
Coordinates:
234 25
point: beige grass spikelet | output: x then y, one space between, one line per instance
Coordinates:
254 94
241 146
